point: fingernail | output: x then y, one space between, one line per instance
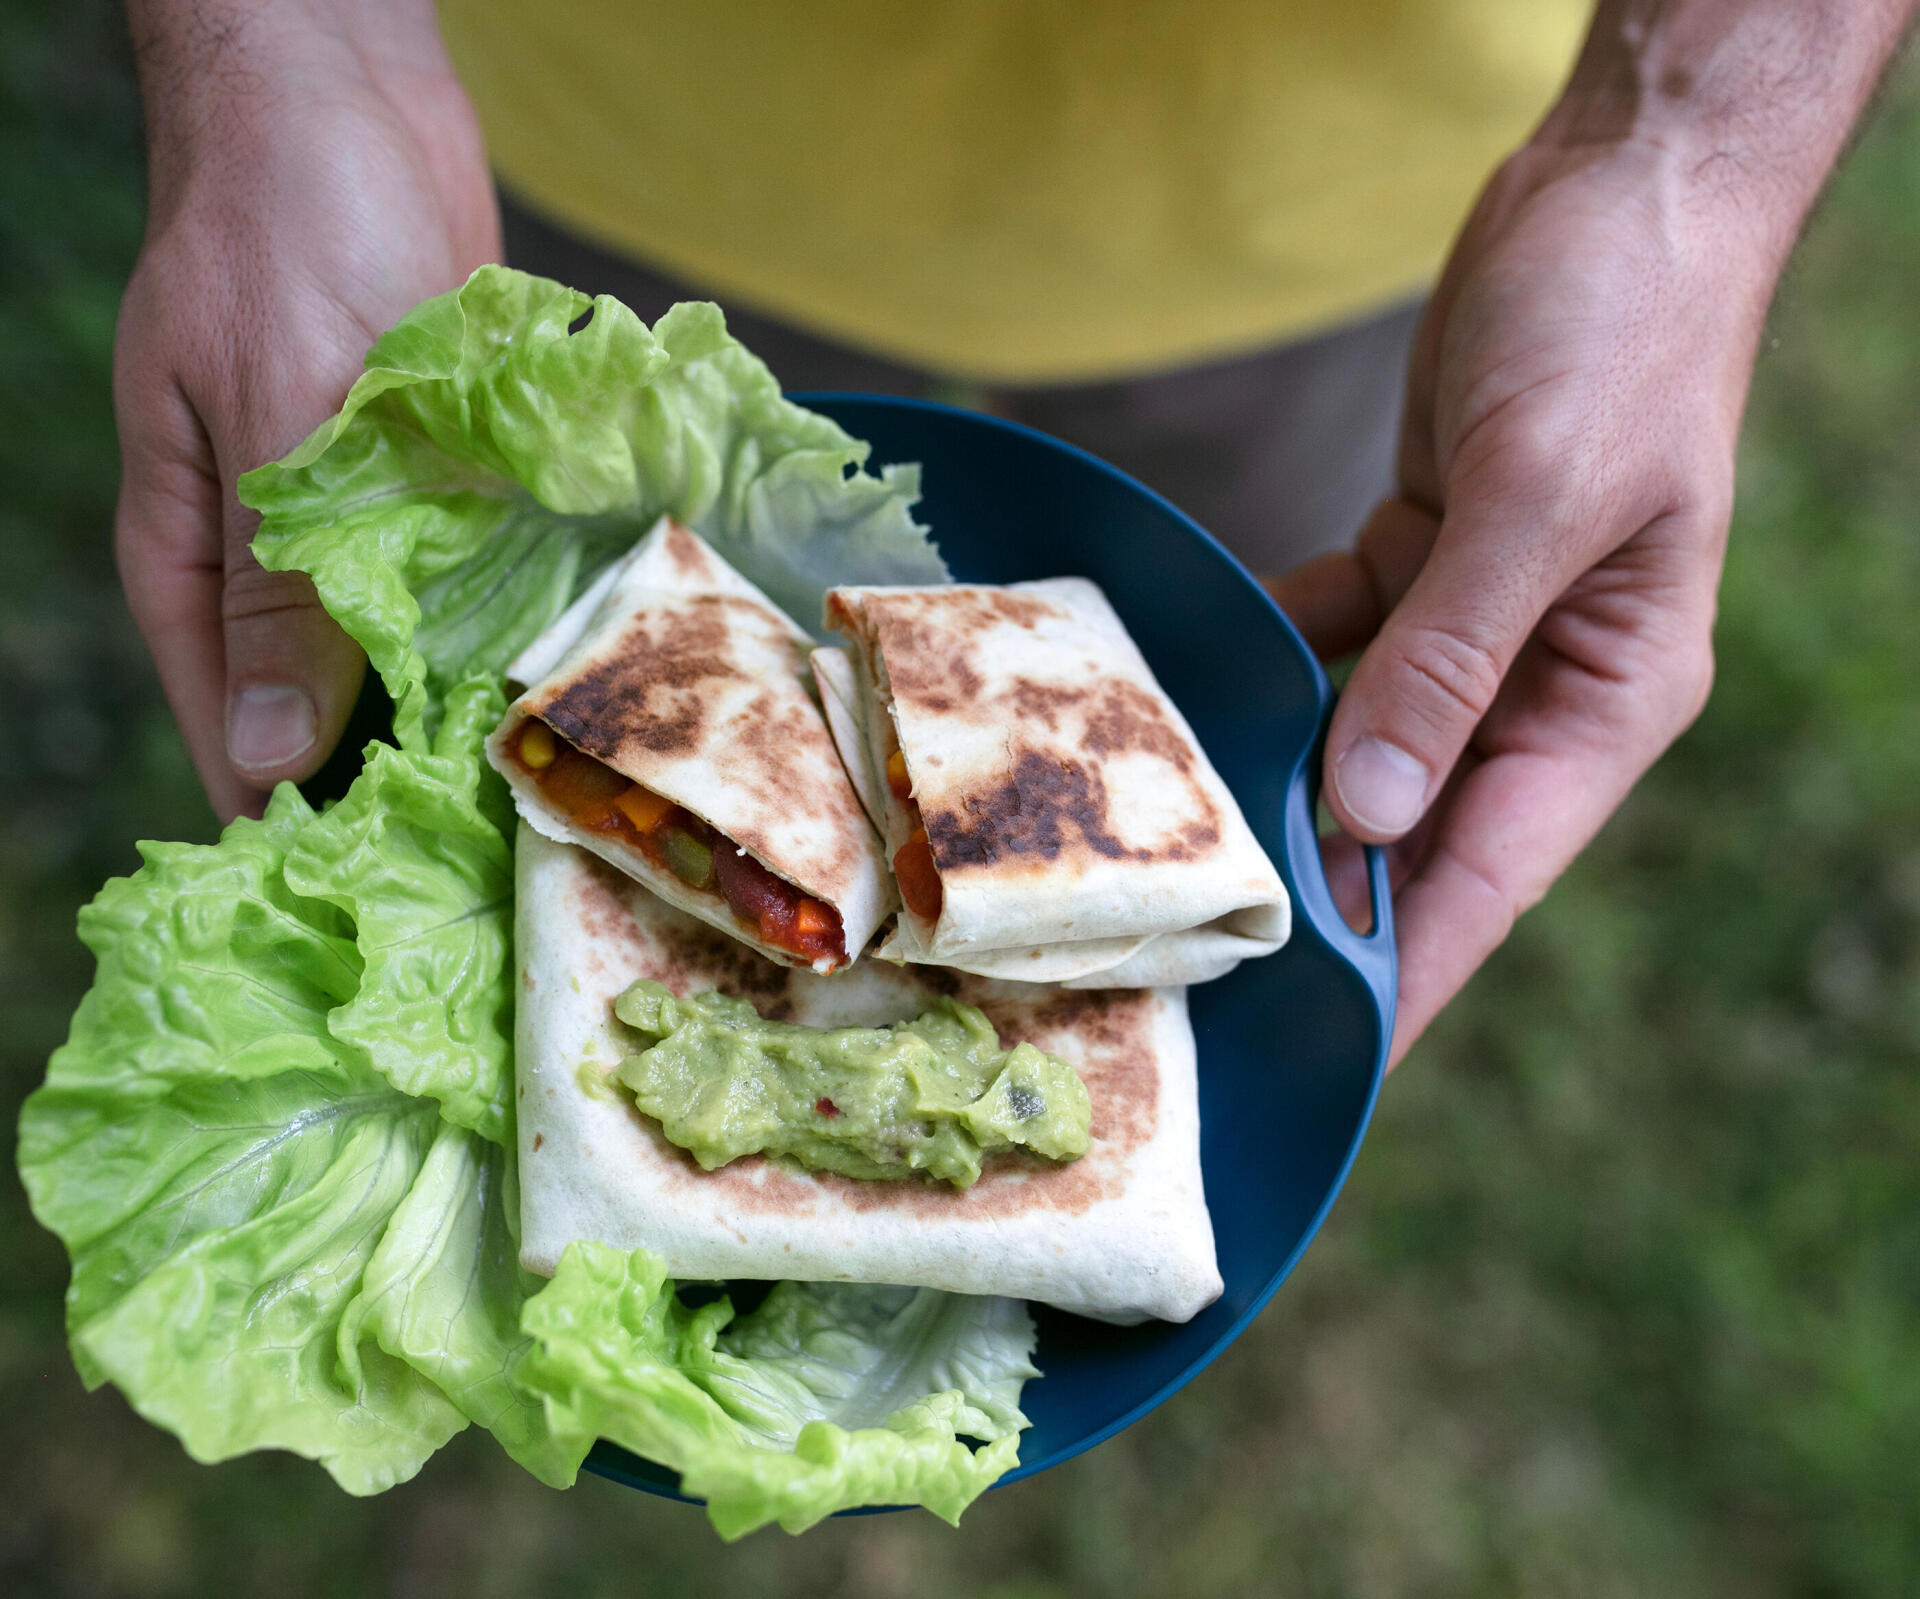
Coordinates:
269 724
1381 785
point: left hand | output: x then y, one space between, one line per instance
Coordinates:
1537 600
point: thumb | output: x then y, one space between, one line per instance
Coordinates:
1420 689
292 675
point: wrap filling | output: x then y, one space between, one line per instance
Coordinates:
597 799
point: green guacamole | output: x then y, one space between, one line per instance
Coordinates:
931 1095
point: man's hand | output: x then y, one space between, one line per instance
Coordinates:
1536 603
315 170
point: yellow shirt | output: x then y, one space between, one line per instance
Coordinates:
1018 190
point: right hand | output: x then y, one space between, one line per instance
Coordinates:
315 171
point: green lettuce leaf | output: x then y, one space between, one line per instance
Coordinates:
278 1143
830 1395
444 1293
413 856
278 1238
489 462
854 1354
220 1168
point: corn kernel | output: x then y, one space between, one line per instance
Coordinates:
538 746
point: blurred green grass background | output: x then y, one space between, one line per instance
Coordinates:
1623 1297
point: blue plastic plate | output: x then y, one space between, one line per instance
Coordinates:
1291 1048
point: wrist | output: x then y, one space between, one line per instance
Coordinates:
217 75
1743 105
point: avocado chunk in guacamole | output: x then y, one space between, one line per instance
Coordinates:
932 1095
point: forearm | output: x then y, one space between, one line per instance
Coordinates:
1752 100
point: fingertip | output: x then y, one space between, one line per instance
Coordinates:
272 728
283 731
1378 790
292 679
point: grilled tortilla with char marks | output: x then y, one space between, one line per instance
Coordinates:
1121 1233
670 728
1048 811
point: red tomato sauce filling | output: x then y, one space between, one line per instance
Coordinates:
597 799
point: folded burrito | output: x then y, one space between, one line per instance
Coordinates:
669 728
1047 810
1121 1233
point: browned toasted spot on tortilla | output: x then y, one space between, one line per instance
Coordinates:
1056 797
990 605
683 549
657 701
929 640
1042 702
780 753
1112 1029
1046 807
646 691
940 683
747 1186
960 609
1200 835
966 681
1054 804
1126 717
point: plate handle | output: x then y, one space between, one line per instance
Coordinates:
1371 954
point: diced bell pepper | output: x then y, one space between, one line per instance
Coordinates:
644 808
582 787
688 859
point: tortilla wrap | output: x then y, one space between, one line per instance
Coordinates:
683 677
1122 1233
841 704
1079 831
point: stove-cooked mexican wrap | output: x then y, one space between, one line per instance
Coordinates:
1122 1232
1048 812
668 726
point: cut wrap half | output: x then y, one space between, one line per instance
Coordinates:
669 728
1122 1233
1047 810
